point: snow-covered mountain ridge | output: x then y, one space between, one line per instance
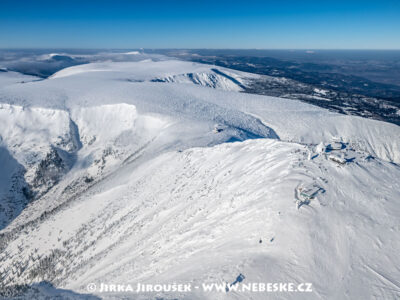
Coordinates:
161 172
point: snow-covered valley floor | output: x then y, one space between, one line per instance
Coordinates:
162 172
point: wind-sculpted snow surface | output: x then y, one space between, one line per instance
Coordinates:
9 78
162 172
87 127
168 71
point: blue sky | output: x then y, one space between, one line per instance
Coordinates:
302 24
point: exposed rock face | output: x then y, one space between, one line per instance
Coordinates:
49 172
14 190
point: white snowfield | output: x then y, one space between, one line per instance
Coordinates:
115 173
164 71
9 77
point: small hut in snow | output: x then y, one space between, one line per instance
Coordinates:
309 191
218 128
337 158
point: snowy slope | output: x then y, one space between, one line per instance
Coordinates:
127 180
108 83
303 123
8 78
166 71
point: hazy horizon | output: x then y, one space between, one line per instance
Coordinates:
221 24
